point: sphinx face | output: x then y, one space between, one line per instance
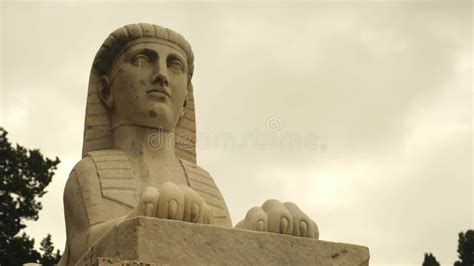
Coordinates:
148 86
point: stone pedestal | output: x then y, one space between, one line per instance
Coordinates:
151 241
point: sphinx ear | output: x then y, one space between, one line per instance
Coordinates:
103 91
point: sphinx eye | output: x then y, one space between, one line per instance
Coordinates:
140 60
175 64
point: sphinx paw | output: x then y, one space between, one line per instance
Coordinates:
281 218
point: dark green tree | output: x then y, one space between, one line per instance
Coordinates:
24 175
48 258
465 249
21 250
430 260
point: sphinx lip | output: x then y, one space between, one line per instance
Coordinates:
158 93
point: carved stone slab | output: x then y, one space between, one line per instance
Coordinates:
152 241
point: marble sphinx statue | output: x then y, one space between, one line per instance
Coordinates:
139 149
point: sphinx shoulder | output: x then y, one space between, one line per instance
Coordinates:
95 162
113 176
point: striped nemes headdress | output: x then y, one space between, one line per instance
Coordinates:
98 126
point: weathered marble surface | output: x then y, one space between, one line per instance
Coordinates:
159 241
139 149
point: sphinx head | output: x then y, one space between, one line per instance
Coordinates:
145 73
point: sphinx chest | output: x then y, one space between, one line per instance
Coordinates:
119 183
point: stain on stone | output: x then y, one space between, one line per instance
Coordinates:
151 114
142 82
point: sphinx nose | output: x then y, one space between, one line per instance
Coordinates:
159 78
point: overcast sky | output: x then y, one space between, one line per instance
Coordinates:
376 96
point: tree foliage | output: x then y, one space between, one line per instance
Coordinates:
49 258
24 175
430 260
465 249
21 250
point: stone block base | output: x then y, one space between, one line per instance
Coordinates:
151 241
